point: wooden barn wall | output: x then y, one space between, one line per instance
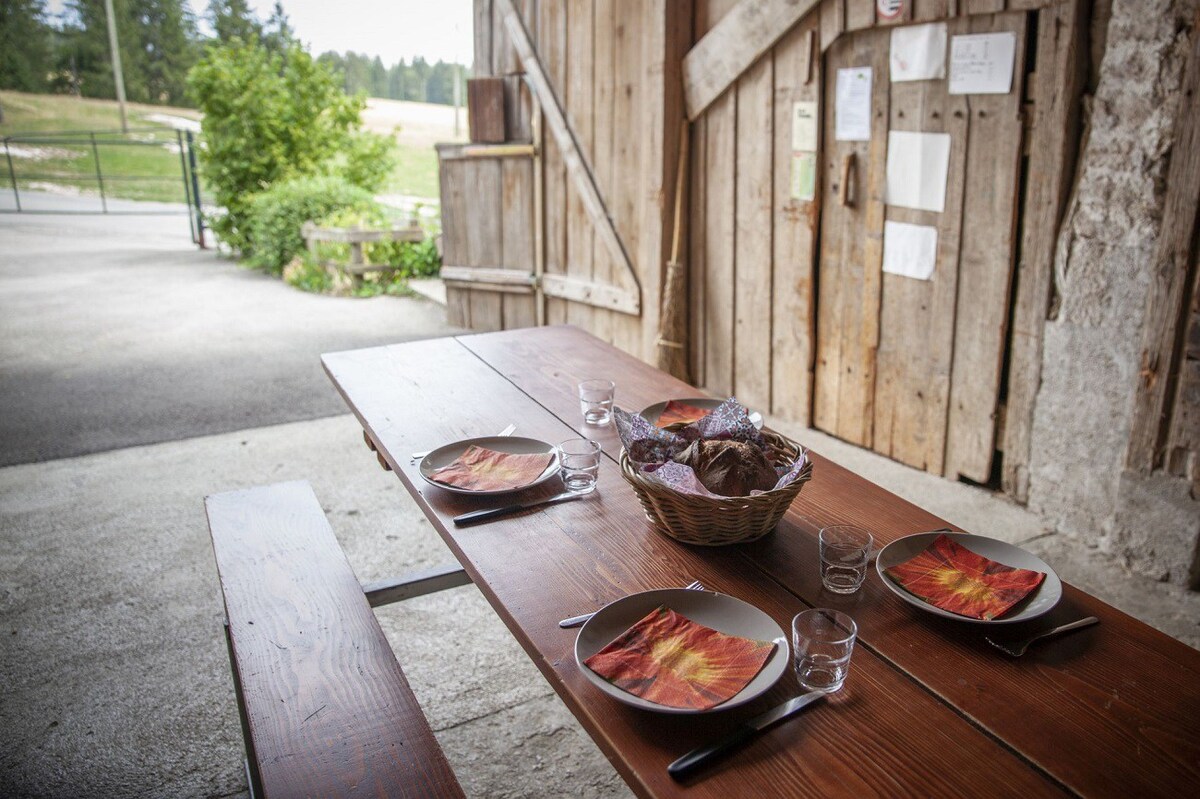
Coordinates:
790 310
612 88
787 309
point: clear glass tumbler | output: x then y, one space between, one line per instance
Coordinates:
579 464
845 552
823 641
596 401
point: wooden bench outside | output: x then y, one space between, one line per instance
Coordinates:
356 237
326 710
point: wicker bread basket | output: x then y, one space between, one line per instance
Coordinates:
712 522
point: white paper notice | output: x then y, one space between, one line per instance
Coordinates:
982 63
919 52
804 126
852 105
909 250
917 164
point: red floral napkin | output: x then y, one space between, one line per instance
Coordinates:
677 412
671 660
957 580
482 469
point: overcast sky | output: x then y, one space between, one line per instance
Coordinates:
391 29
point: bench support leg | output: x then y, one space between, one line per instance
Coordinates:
252 778
385 592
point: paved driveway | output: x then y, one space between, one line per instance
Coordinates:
116 331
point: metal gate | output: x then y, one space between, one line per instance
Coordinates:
117 166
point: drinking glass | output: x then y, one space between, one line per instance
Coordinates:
822 641
845 552
579 464
596 401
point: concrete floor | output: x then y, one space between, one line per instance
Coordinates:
113 674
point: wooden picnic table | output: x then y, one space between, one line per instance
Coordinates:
929 707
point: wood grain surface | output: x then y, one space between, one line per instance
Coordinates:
327 705
929 708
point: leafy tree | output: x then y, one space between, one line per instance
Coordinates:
233 19
158 40
267 117
24 45
277 33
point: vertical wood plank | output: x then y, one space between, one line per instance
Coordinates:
860 14
916 319
707 13
981 6
1054 139
504 57
794 242
930 10
668 23
451 180
833 21
485 236
482 19
1170 281
517 310
752 289
1183 435
720 243
985 265
851 253
697 263
604 168
552 41
578 109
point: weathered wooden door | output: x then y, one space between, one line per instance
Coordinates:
912 367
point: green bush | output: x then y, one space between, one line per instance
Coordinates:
274 217
267 117
368 159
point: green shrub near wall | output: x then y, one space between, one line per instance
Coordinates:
276 215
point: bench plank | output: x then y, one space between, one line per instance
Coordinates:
327 707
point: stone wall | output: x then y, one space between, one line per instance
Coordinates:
1092 341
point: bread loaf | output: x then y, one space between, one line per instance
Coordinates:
729 468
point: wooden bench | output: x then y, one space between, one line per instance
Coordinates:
325 709
356 237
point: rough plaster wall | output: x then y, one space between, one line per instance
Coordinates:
1084 407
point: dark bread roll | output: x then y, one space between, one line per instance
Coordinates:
729 468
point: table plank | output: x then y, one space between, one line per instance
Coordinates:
1109 711
595 550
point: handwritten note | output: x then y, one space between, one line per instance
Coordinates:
918 52
909 250
982 63
917 164
852 104
804 126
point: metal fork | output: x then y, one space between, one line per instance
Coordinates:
508 431
1017 648
575 621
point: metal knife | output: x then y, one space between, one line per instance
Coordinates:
703 754
476 516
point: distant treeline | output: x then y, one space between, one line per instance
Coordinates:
161 40
420 80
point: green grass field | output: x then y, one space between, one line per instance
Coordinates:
144 165
148 170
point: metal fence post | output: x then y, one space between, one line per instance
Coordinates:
99 176
195 188
12 175
187 187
